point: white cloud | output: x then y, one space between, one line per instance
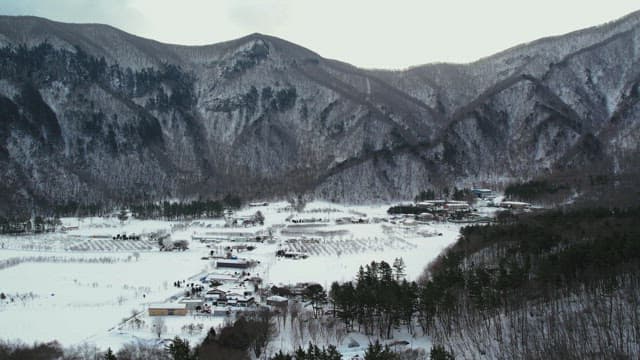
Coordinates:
267 15
369 33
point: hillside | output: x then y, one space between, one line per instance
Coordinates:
95 115
560 284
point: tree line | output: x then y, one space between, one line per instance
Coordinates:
463 194
186 210
379 299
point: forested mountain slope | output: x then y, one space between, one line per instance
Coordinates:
561 284
95 115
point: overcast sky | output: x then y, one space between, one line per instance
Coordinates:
367 33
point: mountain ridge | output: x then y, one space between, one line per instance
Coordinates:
264 117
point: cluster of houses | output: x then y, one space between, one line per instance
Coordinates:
226 293
444 207
230 288
220 293
451 210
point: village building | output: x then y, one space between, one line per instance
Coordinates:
483 193
514 205
233 263
192 304
168 309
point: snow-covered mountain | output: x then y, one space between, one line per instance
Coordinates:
92 114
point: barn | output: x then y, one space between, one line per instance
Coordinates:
168 309
232 263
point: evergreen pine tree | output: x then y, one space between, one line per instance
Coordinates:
109 355
179 349
438 352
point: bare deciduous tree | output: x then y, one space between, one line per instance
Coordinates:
158 326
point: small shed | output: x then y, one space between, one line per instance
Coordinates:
168 309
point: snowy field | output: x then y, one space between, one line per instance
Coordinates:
81 286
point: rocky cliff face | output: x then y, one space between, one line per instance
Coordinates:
92 114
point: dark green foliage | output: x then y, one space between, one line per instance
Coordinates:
232 201
378 301
462 194
39 121
532 190
400 209
438 352
313 352
165 210
185 210
317 296
281 356
425 195
377 352
235 341
548 250
43 64
179 349
211 337
285 99
109 355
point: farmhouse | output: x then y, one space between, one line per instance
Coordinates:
233 263
168 309
239 300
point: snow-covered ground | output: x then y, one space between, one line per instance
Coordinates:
75 294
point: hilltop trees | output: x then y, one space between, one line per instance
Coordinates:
377 301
